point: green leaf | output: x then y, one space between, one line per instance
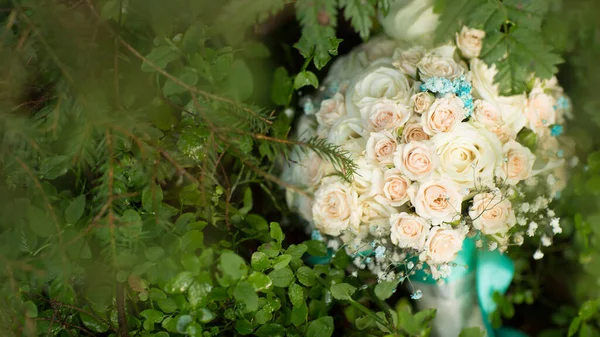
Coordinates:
316 248
40 223
385 289
185 75
359 13
342 291
160 56
321 327
276 232
243 327
244 293
299 314
74 211
270 330
260 281
93 324
296 294
154 253
296 251
30 309
281 91
197 294
472 332
306 276
408 322
282 277
282 261
152 196
574 326
233 265
192 240
167 305
318 19
259 261
110 10
240 80
364 322
305 78
180 283
151 317
247 200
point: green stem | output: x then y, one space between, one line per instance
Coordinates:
368 312
383 305
306 63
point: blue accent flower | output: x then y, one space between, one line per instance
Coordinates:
416 295
380 252
560 153
309 108
556 130
316 235
438 85
368 260
461 87
563 102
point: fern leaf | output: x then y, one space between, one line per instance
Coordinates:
318 19
360 14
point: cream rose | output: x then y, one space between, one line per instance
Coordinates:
413 130
408 230
469 41
331 110
378 82
444 243
407 60
504 133
468 155
381 147
443 115
518 163
440 63
335 207
393 189
385 114
488 114
540 111
492 213
438 200
422 101
416 160
306 169
409 20
375 214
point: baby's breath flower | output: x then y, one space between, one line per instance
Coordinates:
538 254
533 226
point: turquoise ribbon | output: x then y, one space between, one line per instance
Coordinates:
494 273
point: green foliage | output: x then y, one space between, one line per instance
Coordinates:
513 41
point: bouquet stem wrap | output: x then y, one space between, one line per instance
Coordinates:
465 299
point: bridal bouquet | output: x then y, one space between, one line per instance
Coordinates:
440 156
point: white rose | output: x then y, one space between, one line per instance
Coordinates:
491 213
368 177
381 147
513 111
335 207
416 159
422 101
443 115
385 114
407 60
518 163
468 155
413 130
349 133
306 169
444 243
408 230
469 42
440 63
410 20
393 189
438 200
306 127
540 111
374 214
331 110
504 133
378 82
